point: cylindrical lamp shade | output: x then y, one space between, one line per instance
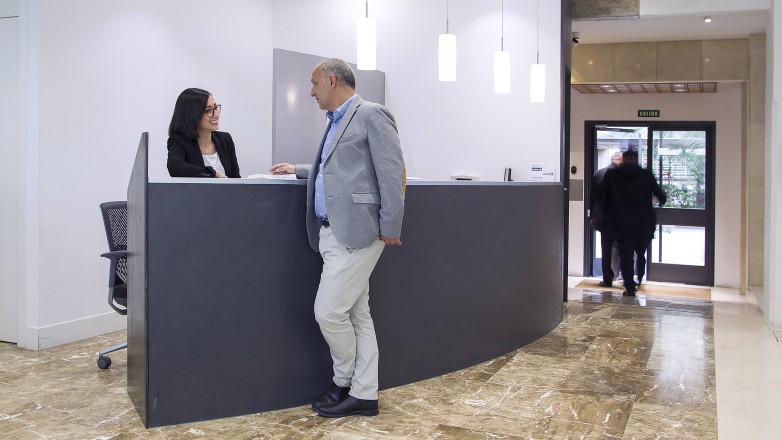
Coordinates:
447 52
366 44
501 72
537 83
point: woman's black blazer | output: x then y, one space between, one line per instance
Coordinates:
185 159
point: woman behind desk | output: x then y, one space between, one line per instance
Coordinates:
195 147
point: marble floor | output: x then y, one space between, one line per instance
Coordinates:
633 368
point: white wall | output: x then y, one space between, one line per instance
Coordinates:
447 128
724 107
107 71
97 74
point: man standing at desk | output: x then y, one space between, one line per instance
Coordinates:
355 204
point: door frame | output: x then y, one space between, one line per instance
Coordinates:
710 127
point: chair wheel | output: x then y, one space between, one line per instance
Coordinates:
104 362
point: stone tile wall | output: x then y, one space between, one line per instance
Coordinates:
700 60
605 9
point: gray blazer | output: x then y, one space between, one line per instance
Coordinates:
363 178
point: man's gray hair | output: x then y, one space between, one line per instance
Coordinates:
341 69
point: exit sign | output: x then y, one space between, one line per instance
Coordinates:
648 113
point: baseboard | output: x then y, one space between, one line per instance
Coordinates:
78 329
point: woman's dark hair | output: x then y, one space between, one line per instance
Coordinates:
189 109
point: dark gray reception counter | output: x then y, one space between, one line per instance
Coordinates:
223 282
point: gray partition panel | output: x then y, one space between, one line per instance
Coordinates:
298 123
137 280
232 281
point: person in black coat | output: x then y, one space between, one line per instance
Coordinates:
195 147
597 220
627 192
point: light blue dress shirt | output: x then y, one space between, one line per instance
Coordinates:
335 117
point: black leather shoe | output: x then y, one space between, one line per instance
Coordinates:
628 293
348 407
333 395
604 284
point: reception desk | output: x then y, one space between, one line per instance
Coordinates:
223 282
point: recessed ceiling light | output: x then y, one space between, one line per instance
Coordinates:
707 19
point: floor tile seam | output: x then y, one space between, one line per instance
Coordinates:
744 336
599 428
756 386
731 315
771 385
695 308
723 412
743 328
514 390
655 373
748 396
674 411
548 418
620 361
746 341
677 410
753 355
752 418
704 351
750 326
487 433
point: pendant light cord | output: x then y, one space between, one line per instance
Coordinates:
537 31
446 17
502 25
366 4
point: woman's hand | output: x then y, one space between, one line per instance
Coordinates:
283 168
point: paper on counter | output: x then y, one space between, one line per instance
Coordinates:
272 176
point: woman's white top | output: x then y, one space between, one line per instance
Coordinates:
213 160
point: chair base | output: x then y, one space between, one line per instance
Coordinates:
104 361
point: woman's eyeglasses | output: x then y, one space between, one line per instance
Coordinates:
210 111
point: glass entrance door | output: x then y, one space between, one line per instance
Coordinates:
680 155
682 248
610 141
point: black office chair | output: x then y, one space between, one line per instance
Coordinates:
115 219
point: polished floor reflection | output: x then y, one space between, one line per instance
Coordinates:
616 367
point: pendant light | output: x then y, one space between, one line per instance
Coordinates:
537 74
366 42
502 60
447 52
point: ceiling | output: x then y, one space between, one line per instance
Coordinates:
666 28
672 28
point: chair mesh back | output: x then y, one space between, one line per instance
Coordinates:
115 219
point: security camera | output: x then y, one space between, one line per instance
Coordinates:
576 36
